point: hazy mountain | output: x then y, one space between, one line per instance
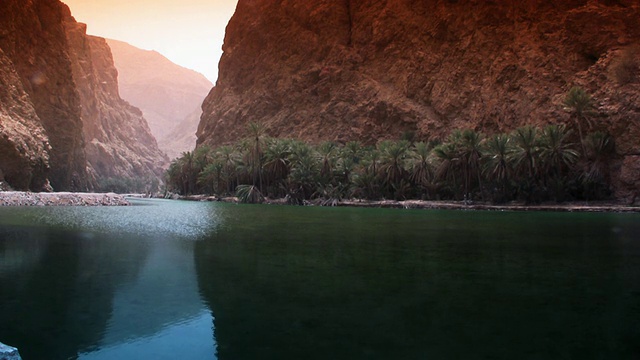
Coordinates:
167 94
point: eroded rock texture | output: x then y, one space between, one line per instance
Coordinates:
371 70
118 140
62 118
32 37
24 145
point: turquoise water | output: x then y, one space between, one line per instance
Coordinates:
171 279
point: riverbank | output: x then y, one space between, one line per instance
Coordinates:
441 205
21 198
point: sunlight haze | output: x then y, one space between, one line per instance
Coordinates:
189 32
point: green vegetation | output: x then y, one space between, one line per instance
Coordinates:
530 164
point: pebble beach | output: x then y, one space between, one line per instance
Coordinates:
21 198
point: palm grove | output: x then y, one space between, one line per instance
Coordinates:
530 164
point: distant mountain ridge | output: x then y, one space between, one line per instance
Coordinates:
167 94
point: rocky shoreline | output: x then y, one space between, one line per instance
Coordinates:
20 198
440 205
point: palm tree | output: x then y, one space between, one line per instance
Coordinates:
497 150
173 177
202 156
188 175
277 164
556 153
229 158
470 154
448 167
304 173
599 148
365 185
579 103
394 154
371 161
249 194
210 178
353 149
421 172
327 152
556 156
524 159
525 152
257 132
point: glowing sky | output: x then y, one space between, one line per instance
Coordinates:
188 32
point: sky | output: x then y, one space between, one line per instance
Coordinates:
188 32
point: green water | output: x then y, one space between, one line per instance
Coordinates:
169 279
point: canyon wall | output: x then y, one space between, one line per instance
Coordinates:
32 37
63 125
372 70
24 145
118 140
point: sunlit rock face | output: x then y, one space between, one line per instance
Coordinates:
62 118
170 96
118 140
372 70
32 38
24 145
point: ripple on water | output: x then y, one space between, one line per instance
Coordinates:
146 217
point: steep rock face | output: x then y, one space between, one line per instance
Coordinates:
24 145
371 70
167 94
32 38
118 140
60 105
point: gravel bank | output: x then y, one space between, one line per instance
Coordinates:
19 198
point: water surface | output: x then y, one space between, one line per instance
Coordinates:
169 279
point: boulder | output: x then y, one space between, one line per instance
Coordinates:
9 352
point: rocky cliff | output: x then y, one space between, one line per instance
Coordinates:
167 94
24 145
119 143
62 118
32 38
371 70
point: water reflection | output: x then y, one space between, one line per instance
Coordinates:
95 283
292 283
199 281
60 301
160 314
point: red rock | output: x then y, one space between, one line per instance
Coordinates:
371 70
32 36
62 117
118 141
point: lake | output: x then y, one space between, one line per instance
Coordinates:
174 279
